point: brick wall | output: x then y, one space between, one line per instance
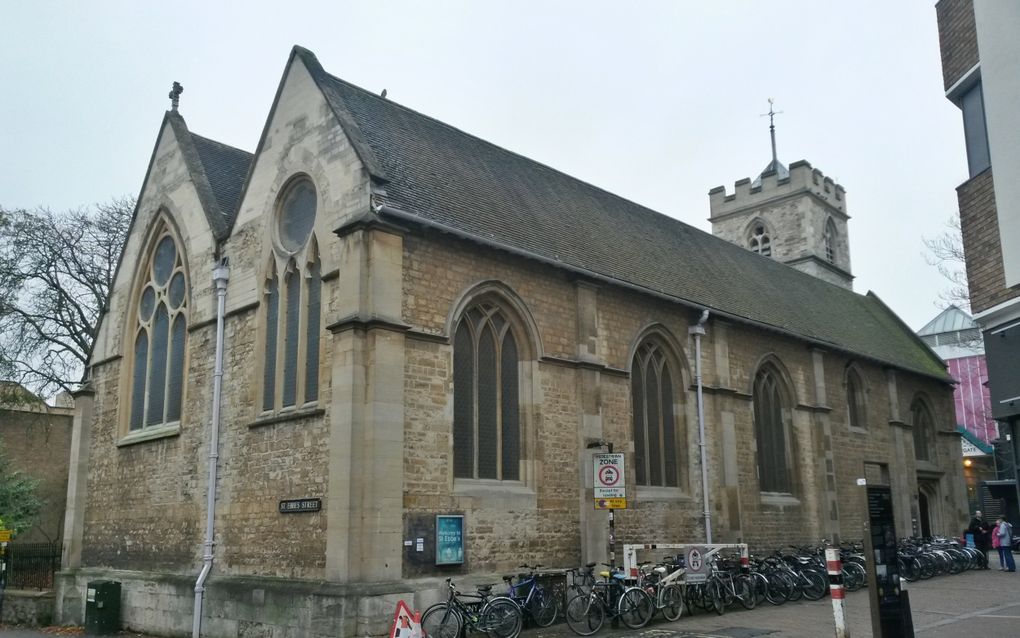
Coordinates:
37 442
957 38
982 243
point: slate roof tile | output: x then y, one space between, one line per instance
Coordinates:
444 175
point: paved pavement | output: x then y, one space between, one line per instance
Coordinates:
976 603
982 603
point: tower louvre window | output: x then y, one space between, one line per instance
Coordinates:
760 242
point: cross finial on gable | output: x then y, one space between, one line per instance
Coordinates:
175 95
772 126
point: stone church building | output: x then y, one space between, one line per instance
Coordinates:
418 323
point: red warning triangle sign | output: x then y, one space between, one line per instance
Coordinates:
406 623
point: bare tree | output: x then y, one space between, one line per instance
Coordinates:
56 270
945 252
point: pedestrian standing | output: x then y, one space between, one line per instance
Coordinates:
1004 533
979 529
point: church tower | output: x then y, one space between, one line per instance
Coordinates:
794 215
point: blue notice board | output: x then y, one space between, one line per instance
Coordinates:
449 539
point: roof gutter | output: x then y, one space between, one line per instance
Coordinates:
386 209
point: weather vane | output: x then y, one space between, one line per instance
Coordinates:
175 95
772 126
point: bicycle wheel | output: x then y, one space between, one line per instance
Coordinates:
745 592
796 587
501 618
815 586
584 614
778 590
635 608
441 621
672 602
854 576
759 587
716 592
542 608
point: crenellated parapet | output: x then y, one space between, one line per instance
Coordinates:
803 178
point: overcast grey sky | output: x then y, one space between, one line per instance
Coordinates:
655 101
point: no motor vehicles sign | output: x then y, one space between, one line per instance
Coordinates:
610 481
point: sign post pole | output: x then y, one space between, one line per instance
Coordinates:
612 527
610 488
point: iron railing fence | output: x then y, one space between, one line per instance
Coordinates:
32 565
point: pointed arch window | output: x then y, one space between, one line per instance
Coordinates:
771 432
924 430
760 242
856 408
829 241
656 436
292 302
486 396
160 337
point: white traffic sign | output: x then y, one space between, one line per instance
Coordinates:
610 476
697 568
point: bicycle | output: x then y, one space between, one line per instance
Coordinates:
659 583
729 587
531 597
498 617
586 613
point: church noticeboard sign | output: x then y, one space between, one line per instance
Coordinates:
449 539
300 505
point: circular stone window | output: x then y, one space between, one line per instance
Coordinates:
297 214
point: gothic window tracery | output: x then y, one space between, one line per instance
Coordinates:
292 304
760 242
924 430
829 241
486 419
160 337
656 435
856 409
771 413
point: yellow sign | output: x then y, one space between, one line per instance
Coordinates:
5 535
610 503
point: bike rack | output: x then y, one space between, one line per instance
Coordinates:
630 565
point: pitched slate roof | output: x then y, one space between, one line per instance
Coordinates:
217 171
226 168
443 176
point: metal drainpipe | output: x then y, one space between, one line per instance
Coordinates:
697 331
221 275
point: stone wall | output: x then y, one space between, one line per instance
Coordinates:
31 608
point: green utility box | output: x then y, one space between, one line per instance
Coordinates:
102 608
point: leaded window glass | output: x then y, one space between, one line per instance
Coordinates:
655 429
924 430
292 299
486 396
829 240
770 431
160 338
856 413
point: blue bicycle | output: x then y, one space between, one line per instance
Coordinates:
531 597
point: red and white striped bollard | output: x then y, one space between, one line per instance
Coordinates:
834 566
